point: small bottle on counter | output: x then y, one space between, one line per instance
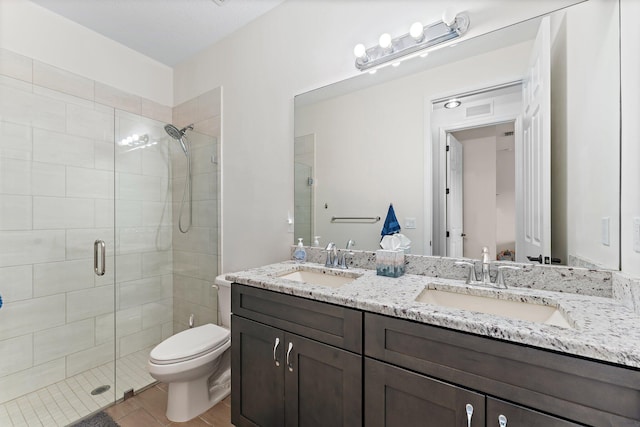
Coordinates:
300 254
316 241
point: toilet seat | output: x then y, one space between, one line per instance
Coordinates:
190 344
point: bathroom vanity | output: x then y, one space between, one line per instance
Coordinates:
369 351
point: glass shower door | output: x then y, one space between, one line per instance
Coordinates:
57 341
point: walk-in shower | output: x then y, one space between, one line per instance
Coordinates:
180 136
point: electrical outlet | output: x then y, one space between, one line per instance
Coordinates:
605 231
636 234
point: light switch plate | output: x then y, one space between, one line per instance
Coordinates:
605 231
636 234
409 223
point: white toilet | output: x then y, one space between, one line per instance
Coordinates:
196 363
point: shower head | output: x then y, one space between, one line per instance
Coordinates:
178 134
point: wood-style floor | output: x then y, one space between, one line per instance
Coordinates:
147 409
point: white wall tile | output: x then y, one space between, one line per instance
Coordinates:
101 301
15 212
156 213
143 339
157 313
113 97
59 277
90 183
90 123
129 267
140 187
16 283
60 80
63 149
47 179
60 341
127 160
155 161
104 155
57 212
29 380
79 242
157 263
15 140
16 354
205 213
143 291
19 106
24 317
140 239
156 111
26 247
90 358
128 213
16 66
104 213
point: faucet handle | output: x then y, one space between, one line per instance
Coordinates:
471 276
500 279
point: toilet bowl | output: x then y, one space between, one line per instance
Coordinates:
196 363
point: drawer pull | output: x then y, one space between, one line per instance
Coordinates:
289 365
469 409
502 421
275 349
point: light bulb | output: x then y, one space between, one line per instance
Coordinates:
360 51
129 139
385 41
135 136
424 55
373 71
449 17
416 31
396 64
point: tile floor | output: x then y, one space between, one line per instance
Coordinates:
148 408
69 400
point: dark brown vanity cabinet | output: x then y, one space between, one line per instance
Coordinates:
294 362
527 386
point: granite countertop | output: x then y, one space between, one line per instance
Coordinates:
601 327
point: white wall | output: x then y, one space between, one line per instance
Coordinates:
38 33
290 50
630 10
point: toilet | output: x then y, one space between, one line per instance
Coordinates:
196 363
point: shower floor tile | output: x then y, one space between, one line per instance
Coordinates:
67 401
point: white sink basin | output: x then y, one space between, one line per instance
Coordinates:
537 313
320 277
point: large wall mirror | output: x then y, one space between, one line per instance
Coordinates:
480 174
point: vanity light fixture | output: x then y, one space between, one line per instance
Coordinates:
452 103
393 50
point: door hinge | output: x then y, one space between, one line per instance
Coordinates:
447 191
447 234
447 148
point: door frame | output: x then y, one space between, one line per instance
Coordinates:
440 230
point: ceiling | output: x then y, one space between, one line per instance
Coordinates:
168 31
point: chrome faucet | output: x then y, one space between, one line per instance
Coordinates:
486 278
343 260
332 255
486 265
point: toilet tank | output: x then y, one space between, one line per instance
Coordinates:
224 300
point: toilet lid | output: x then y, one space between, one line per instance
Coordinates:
190 344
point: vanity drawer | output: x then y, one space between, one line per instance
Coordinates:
570 387
331 324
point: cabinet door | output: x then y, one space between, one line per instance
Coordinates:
257 375
323 384
504 414
395 397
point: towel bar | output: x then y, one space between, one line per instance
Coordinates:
367 219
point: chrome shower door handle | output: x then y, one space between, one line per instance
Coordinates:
469 409
502 421
99 246
289 365
275 349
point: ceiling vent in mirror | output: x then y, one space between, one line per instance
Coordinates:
479 109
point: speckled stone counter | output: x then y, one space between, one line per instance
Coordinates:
602 328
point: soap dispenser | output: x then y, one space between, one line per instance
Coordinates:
316 241
300 255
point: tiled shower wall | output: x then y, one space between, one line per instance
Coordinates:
57 188
196 254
